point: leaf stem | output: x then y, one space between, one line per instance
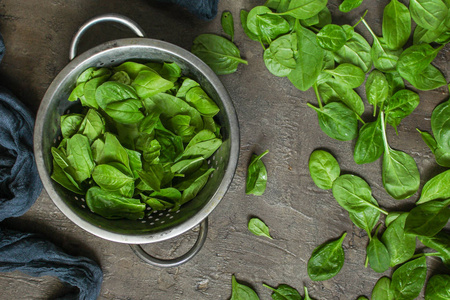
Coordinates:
426 254
383 132
316 90
360 19
359 118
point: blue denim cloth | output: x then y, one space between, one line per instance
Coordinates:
20 186
203 9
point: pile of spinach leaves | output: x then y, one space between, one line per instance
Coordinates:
397 245
301 43
142 141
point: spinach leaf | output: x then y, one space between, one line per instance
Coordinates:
70 124
437 187
428 79
428 14
149 83
228 24
93 125
203 144
304 9
355 51
132 68
439 242
400 105
242 292
393 215
369 145
401 178
384 59
191 192
244 17
284 50
110 178
438 287
170 71
65 179
157 204
89 98
256 175
415 59
429 218
367 218
378 254
349 74
185 87
377 89
187 166
333 90
266 25
331 37
258 227
337 121
121 77
408 279
151 151
348 5
284 292
274 65
170 106
152 175
396 24
395 82
323 168
382 290
113 206
353 193
400 245
197 97
113 91
126 111
221 55
171 145
79 155
440 125
113 151
309 61
326 260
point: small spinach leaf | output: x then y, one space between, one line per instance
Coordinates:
228 24
256 175
323 168
258 227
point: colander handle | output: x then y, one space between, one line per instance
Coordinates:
167 263
99 19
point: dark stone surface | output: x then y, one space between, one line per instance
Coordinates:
272 115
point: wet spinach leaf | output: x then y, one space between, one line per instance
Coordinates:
409 279
401 105
326 260
331 37
429 218
437 187
438 287
348 5
355 51
256 175
369 145
428 14
396 24
382 290
377 89
353 76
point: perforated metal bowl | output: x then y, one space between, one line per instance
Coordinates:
159 225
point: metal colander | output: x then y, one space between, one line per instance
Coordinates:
157 225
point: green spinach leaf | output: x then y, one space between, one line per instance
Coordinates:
256 175
228 24
438 287
378 254
382 290
429 218
326 260
258 227
408 279
323 168
242 292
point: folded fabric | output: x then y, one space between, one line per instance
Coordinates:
203 9
33 255
20 186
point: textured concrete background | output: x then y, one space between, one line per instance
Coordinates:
272 115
